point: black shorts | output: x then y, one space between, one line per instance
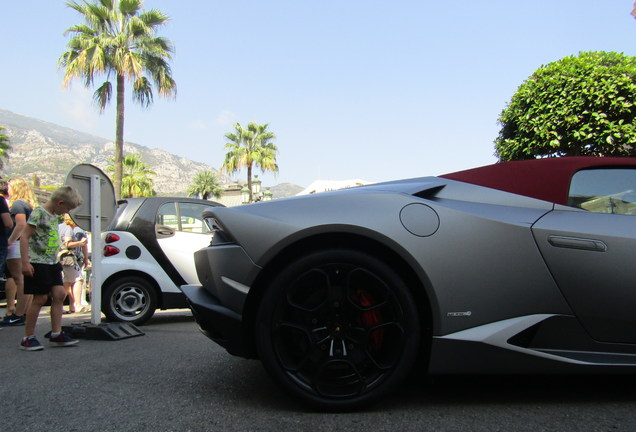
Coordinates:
45 277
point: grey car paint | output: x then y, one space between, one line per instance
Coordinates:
447 259
596 270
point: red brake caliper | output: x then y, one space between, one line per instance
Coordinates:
371 318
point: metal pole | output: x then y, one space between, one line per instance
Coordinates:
96 249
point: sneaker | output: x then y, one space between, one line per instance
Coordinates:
31 344
63 340
13 320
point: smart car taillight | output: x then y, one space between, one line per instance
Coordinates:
110 250
111 238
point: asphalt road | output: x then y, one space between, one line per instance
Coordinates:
174 379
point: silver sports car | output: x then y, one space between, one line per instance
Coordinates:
517 267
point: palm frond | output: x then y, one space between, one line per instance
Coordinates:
142 92
154 18
102 95
130 7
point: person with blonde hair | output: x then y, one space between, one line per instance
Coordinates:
39 247
22 201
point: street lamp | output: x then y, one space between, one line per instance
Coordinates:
256 187
257 192
245 195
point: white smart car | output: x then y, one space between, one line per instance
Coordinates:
149 253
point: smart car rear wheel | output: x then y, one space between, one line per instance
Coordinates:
338 329
129 299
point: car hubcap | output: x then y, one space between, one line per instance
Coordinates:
338 331
129 302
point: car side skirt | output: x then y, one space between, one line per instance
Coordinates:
542 343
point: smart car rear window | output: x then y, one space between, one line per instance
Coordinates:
607 190
183 216
192 219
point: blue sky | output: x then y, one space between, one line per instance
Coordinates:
377 90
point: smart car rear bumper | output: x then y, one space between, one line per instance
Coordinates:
217 322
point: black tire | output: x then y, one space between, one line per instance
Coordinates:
338 329
129 299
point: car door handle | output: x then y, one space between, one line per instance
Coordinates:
164 231
577 243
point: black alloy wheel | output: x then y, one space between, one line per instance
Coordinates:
338 328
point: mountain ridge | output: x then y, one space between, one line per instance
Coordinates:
41 148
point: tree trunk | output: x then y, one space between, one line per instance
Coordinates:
119 137
249 181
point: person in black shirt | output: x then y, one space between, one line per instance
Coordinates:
6 222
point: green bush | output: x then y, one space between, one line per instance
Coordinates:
580 105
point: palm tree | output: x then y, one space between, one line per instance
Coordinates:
4 147
205 184
249 147
136 178
118 40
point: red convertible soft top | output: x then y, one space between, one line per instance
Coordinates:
545 179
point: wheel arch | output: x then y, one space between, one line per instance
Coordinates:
346 241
